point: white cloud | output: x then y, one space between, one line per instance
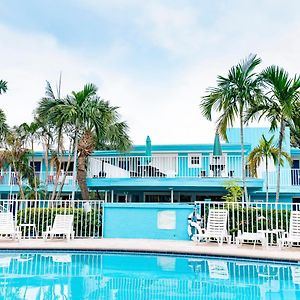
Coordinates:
167 110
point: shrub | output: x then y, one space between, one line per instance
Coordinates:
85 224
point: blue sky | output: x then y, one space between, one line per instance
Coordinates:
154 59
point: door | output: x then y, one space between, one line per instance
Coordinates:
295 172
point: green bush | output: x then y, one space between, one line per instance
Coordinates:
85 224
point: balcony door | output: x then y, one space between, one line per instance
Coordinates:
295 172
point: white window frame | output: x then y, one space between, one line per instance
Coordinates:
192 155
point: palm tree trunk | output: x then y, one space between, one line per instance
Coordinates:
81 177
47 163
66 172
34 174
75 166
267 180
243 157
60 155
281 135
19 182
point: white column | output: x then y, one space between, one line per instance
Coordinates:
112 196
105 197
172 195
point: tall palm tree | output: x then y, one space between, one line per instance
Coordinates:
79 113
231 98
263 152
3 86
282 95
52 132
30 134
113 135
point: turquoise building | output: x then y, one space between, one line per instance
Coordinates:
173 173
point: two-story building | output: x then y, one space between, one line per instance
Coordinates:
174 173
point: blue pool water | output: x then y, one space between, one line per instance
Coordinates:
113 276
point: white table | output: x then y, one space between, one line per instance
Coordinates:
270 233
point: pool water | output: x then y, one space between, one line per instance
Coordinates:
115 276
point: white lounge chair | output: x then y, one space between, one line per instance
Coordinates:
293 236
216 227
7 226
251 236
63 225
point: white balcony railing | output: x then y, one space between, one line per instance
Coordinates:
192 165
288 178
33 216
10 178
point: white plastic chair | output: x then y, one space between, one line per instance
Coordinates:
293 236
216 227
63 225
7 226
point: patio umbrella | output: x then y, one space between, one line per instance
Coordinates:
217 151
148 149
217 164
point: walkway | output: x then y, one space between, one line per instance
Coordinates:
163 246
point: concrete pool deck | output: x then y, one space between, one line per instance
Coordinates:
161 246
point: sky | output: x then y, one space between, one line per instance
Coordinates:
153 59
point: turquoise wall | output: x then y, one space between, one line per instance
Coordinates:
140 221
252 135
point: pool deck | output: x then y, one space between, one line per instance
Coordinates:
160 246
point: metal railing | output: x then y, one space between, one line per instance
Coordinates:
272 218
10 178
32 217
191 165
288 178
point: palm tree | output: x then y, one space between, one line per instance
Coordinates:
282 95
265 151
52 131
16 155
77 114
29 134
113 135
3 86
231 98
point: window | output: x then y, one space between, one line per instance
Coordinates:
195 160
37 165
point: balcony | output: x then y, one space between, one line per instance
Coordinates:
10 178
166 166
288 178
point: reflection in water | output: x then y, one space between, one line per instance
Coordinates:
88 275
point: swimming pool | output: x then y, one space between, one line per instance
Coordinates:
125 276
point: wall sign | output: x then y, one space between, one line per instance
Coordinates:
166 219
